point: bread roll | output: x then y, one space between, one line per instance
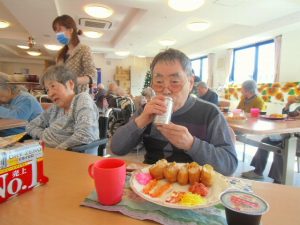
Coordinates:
194 171
171 171
183 175
157 170
207 175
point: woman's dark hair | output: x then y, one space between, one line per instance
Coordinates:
69 23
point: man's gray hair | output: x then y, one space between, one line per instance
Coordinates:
202 84
61 74
171 55
5 85
250 85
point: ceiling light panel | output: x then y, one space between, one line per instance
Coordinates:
23 46
122 53
98 11
34 53
4 24
53 47
92 34
198 26
167 42
185 5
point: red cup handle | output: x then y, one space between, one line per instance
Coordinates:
91 170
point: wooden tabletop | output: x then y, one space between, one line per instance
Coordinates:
259 126
58 201
11 123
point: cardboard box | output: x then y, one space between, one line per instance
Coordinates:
21 169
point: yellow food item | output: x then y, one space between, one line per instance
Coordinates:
190 199
276 115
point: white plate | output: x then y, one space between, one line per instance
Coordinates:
220 184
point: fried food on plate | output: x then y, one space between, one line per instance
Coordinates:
171 171
207 175
183 175
157 170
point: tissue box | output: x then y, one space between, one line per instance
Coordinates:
21 169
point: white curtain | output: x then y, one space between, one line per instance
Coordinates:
277 42
228 64
211 62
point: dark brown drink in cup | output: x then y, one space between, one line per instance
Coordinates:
243 208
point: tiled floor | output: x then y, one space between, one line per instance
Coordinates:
243 166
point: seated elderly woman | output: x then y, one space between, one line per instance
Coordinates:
250 99
73 118
16 104
260 159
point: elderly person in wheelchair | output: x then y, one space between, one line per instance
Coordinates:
73 118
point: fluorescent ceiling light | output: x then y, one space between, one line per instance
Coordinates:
92 34
4 24
198 26
98 11
23 46
34 53
185 5
122 53
167 42
141 56
53 47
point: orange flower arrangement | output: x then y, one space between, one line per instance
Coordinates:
297 90
285 89
279 96
235 94
231 90
266 98
272 91
276 85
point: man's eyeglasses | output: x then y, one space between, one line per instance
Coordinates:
174 84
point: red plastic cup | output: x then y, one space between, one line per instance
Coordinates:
255 112
109 176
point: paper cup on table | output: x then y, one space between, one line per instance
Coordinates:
109 176
255 112
243 208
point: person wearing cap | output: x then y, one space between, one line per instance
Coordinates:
250 98
260 158
197 132
207 94
16 104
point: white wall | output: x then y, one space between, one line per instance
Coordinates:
16 67
290 57
139 68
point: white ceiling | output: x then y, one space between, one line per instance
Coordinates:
138 25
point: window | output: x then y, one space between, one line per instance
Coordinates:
200 67
254 62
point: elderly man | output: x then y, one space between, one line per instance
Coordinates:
197 132
250 99
206 94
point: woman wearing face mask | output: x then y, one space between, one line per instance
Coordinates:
77 57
